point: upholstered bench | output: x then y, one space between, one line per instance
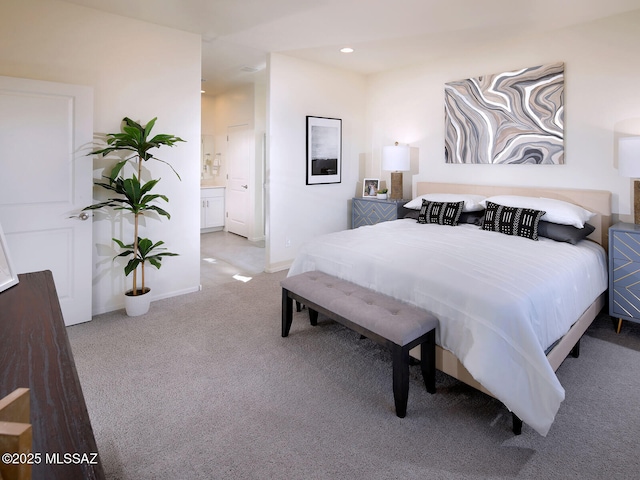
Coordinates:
388 321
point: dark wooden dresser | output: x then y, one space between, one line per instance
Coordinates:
35 353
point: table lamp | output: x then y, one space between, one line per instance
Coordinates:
396 159
629 166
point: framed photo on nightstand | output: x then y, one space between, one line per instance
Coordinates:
370 187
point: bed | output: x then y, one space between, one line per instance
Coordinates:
510 309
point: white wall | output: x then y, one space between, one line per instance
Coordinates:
61 42
602 81
297 212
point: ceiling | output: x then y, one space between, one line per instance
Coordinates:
237 35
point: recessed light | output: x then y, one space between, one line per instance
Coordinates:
346 50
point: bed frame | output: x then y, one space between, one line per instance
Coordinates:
598 201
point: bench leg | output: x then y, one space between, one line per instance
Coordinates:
428 361
517 424
313 317
287 312
400 379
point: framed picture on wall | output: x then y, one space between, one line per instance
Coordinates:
324 150
8 276
370 187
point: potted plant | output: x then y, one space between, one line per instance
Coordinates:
134 196
382 194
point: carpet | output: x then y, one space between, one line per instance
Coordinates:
204 387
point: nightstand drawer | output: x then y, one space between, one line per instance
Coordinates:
626 301
626 245
369 211
376 211
625 274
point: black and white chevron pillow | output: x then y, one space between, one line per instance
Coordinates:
522 222
442 213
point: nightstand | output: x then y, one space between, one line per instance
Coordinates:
369 211
624 272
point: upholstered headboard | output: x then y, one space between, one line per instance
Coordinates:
597 201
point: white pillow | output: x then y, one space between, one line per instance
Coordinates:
557 211
471 202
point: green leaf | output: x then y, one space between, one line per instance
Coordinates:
131 266
148 186
149 126
115 171
155 262
159 211
121 244
149 198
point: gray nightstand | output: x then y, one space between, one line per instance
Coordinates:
624 272
369 211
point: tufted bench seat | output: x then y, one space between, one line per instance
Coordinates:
388 321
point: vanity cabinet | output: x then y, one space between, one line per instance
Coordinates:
212 208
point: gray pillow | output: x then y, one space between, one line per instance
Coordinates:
564 233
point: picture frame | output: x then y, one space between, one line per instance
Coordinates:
8 275
324 150
370 187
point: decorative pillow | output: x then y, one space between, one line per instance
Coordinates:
471 202
564 233
413 214
442 213
522 222
474 218
557 211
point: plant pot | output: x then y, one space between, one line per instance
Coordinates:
382 196
137 304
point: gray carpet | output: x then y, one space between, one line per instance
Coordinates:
204 387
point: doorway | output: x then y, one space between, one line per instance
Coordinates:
237 122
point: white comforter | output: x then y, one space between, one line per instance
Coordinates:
501 300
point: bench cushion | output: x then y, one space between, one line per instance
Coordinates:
385 316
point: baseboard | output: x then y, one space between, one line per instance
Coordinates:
278 267
259 238
120 305
211 229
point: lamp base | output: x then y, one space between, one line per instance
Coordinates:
636 202
396 186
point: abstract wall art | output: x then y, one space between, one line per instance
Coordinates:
507 118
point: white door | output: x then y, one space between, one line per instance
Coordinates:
239 156
46 131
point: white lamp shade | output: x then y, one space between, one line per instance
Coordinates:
396 158
629 157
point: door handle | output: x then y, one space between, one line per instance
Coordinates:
245 186
82 216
